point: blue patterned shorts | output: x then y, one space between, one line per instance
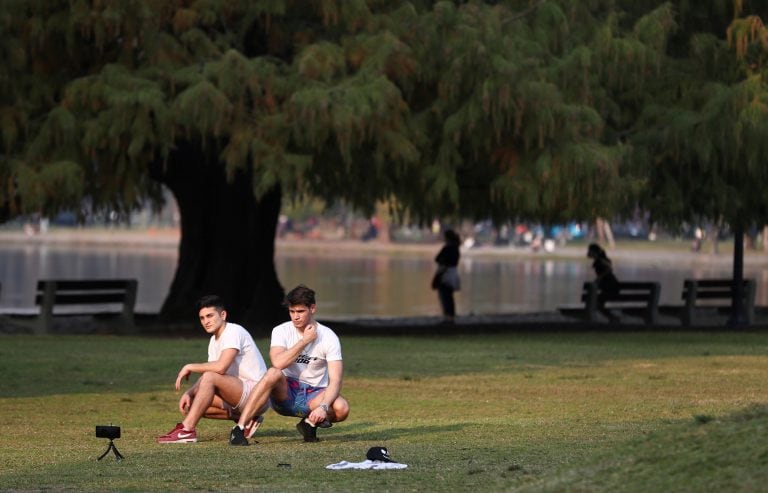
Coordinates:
297 403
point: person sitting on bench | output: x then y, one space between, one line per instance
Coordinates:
607 283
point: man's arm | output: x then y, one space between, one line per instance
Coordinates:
282 357
219 366
185 401
335 375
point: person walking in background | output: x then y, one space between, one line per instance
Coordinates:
234 367
446 279
305 378
607 283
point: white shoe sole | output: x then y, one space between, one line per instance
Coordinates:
183 440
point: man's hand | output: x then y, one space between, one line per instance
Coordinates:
184 403
183 375
318 415
310 333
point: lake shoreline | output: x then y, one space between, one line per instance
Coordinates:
166 242
640 251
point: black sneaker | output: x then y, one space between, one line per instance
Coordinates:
308 431
237 437
324 424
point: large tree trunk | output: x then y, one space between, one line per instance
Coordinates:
227 242
738 318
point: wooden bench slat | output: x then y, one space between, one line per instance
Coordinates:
637 285
713 283
70 284
629 297
83 298
639 299
87 293
717 295
624 297
715 290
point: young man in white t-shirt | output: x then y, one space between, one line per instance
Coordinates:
306 373
233 369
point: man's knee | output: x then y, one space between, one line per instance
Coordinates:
340 409
208 378
273 376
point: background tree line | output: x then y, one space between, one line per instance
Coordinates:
545 110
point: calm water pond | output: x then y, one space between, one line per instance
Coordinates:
378 285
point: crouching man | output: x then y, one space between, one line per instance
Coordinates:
233 368
305 378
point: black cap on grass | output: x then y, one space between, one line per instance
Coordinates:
378 453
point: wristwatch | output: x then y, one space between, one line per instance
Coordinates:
325 407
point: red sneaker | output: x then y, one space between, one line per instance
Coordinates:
252 426
179 426
178 435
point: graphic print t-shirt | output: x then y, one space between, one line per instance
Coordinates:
311 366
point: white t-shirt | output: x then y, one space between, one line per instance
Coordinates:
248 364
311 366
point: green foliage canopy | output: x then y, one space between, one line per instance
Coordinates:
505 109
437 107
702 134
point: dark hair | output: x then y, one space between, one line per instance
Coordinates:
211 300
451 237
596 250
300 295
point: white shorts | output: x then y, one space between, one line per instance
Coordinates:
248 386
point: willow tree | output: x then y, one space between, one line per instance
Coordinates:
702 136
500 109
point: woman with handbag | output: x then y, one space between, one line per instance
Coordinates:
446 279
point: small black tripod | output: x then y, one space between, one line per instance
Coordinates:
118 455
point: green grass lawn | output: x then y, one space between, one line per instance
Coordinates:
656 411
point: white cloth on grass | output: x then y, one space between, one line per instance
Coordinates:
367 464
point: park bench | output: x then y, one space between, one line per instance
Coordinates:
85 297
700 295
638 299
